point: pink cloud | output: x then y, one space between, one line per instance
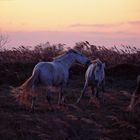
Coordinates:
70 38
96 25
134 22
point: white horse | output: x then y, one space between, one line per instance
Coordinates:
94 77
135 98
53 74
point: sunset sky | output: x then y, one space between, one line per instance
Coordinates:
101 22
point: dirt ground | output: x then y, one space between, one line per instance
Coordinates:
90 121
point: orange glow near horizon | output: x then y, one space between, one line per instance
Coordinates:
103 22
63 15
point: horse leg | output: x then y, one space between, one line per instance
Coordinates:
94 92
97 92
33 98
103 85
83 92
94 96
33 103
60 96
102 97
49 97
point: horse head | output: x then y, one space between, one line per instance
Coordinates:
79 57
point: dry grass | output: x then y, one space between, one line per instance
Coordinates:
83 121
46 52
110 121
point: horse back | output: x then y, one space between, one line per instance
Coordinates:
51 73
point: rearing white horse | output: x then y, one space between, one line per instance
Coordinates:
55 73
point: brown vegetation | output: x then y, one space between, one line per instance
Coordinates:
108 121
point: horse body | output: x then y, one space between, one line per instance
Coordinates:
54 73
94 77
94 74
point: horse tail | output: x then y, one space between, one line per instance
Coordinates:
24 93
27 85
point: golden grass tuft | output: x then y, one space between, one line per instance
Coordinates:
22 95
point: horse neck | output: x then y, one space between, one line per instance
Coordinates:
67 60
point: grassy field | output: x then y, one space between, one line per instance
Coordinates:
90 121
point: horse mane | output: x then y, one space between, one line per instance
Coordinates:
72 51
58 58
